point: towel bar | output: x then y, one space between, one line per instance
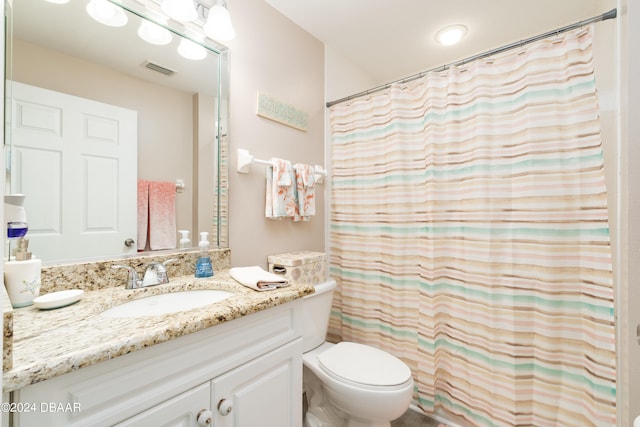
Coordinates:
245 159
180 185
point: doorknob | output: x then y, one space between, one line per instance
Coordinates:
129 242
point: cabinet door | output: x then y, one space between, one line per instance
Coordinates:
265 392
180 411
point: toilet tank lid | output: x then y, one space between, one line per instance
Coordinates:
364 364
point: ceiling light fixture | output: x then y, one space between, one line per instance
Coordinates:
180 10
451 35
154 33
218 25
191 50
107 13
58 1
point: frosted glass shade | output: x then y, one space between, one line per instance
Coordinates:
107 13
218 25
180 10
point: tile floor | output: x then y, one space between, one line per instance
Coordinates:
412 418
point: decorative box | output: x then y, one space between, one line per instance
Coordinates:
303 266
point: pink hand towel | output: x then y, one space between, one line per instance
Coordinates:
143 213
162 215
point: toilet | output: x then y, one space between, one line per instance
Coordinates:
348 384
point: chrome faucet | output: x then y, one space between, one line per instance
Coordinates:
155 274
133 282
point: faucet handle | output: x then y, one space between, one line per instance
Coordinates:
169 261
132 281
163 276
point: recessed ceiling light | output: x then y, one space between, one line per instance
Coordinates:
451 35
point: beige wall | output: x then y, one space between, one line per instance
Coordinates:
629 205
606 52
272 55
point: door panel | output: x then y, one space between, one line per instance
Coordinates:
265 392
76 162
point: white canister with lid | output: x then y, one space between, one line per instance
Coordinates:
22 280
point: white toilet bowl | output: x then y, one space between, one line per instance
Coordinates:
360 386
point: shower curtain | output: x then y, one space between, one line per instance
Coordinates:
469 236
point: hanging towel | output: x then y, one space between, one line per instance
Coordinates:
143 213
162 215
257 278
306 190
281 190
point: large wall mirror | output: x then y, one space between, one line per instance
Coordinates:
130 110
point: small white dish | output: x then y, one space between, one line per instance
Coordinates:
58 299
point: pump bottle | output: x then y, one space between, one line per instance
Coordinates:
185 243
203 265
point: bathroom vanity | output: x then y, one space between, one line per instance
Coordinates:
237 362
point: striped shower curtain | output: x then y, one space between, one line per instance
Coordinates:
469 236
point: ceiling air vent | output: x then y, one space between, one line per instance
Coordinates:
159 68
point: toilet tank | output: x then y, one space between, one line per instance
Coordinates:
317 308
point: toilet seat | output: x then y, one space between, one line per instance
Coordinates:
364 366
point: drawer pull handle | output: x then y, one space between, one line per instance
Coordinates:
224 407
204 418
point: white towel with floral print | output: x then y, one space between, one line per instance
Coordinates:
306 190
281 191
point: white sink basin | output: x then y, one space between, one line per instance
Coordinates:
172 302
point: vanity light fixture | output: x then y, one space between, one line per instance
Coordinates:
106 13
218 25
180 10
58 1
191 50
154 33
451 35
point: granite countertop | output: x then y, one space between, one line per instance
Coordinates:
48 343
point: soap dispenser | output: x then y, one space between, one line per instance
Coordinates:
185 242
203 265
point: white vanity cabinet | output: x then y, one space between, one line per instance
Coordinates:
242 373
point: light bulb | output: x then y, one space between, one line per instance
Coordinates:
218 25
180 10
451 35
191 50
154 33
107 13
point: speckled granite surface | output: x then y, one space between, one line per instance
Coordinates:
99 274
94 275
48 343
7 322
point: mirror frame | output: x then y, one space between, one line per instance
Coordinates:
152 8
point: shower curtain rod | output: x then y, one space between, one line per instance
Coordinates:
607 15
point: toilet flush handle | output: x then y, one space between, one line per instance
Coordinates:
224 407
